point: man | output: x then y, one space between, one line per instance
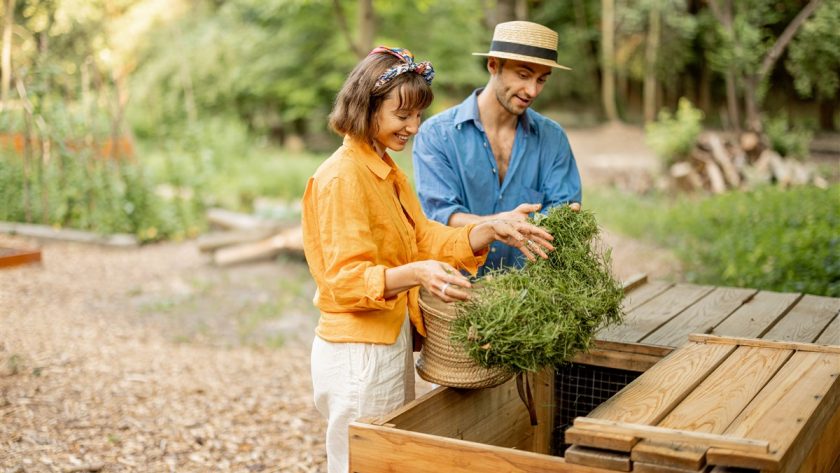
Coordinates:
492 156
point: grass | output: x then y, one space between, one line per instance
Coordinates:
769 238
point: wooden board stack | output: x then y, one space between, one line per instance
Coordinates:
717 403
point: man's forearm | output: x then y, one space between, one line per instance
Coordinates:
460 219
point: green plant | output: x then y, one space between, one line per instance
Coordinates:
771 238
673 136
549 310
792 142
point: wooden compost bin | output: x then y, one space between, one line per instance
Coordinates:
488 430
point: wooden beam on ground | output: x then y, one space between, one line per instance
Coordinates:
47 232
238 221
288 240
213 241
18 256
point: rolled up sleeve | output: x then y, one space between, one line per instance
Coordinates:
435 177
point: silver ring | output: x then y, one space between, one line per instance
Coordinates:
444 288
529 242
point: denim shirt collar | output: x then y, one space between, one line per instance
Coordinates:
468 110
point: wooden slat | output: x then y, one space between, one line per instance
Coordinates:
738 444
634 282
762 343
713 406
701 317
543 388
468 414
831 334
807 320
644 467
646 402
756 316
18 256
824 457
617 359
378 449
648 317
597 458
790 412
643 294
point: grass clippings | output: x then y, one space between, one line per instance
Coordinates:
546 312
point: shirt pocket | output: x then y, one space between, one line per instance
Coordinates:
533 196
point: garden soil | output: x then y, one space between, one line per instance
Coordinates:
153 360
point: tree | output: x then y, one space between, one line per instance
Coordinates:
6 61
608 59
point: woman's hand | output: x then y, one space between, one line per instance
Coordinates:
441 280
531 240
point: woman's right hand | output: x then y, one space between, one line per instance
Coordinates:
442 280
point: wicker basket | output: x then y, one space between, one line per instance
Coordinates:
444 364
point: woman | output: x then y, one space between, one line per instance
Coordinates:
370 248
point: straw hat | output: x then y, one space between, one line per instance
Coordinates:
524 41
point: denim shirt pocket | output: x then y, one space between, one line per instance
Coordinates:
533 196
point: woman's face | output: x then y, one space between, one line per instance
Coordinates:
394 125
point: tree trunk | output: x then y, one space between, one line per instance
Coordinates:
505 10
608 59
651 53
828 108
367 26
6 55
753 81
521 10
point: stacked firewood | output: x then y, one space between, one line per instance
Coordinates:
717 163
242 238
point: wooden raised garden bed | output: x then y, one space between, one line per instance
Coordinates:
18 256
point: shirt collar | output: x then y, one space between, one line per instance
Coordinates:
468 110
368 156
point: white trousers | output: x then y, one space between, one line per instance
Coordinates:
355 380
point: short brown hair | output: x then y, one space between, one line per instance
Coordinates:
358 102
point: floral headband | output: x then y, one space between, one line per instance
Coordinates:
424 68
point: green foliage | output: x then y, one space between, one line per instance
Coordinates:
788 141
543 314
672 137
814 58
772 239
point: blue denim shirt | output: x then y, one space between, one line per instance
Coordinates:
455 171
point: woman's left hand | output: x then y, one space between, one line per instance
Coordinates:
531 240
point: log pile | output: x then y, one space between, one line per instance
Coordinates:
243 238
717 164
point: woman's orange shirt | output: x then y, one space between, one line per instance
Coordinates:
360 216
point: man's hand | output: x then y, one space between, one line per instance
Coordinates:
520 213
575 206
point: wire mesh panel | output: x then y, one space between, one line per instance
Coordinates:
578 389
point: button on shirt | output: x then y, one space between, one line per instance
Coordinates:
455 170
361 217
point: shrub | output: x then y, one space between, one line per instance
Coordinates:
793 142
672 137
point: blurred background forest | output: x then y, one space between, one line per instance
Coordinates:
136 116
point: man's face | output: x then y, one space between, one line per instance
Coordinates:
517 83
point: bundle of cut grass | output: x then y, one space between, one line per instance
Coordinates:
545 313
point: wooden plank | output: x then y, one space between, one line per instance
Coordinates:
644 294
634 282
647 402
807 320
238 221
47 232
762 343
644 467
603 440
215 240
790 412
290 239
701 317
648 317
476 414
831 334
598 458
378 449
18 256
543 388
636 348
713 405
733 443
757 315
826 454
617 359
